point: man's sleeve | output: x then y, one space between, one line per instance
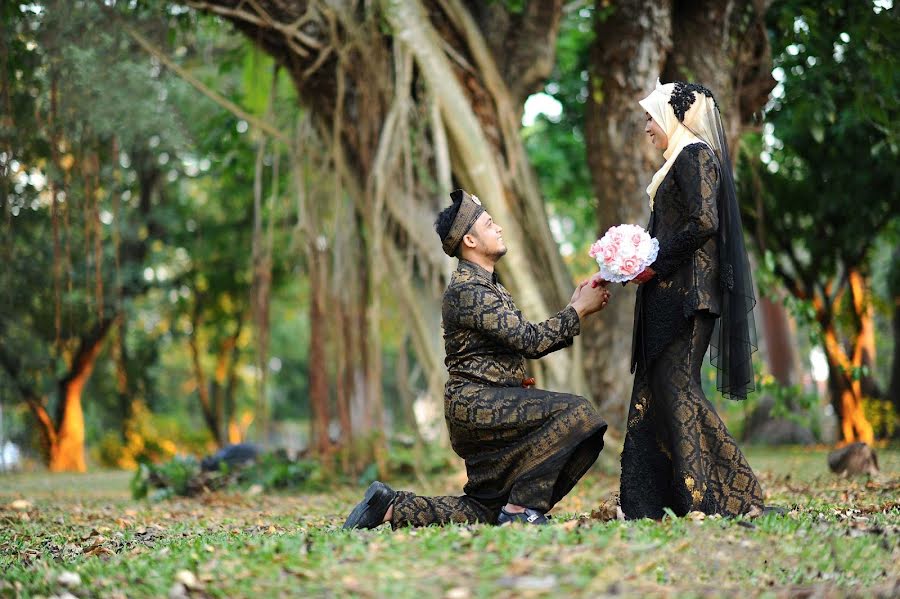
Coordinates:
479 307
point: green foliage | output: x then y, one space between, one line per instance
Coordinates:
174 477
182 476
405 458
788 398
274 471
883 417
791 402
177 196
823 172
149 437
556 148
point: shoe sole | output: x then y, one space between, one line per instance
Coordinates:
516 520
373 499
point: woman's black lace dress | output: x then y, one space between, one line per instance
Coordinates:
678 453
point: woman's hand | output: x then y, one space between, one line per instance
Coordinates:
645 275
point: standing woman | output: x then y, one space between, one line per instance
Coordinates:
697 294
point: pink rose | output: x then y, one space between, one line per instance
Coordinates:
595 250
629 266
636 239
609 253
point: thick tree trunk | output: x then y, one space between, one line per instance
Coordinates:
720 44
724 46
864 345
67 454
67 450
628 53
780 349
846 391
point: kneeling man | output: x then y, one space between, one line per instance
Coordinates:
524 448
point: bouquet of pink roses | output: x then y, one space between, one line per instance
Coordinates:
624 252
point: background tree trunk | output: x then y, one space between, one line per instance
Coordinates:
629 51
846 392
722 45
320 443
780 346
894 291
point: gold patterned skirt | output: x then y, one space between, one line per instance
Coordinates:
678 453
525 446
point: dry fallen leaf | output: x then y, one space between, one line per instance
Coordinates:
189 580
607 510
570 524
69 579
20 505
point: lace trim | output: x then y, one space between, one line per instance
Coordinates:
726 276
683 97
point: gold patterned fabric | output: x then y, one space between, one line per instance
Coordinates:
487 338
525 446
685 222
678 453
470 209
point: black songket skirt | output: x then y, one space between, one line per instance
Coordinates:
678 453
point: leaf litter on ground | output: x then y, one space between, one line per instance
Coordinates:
839 537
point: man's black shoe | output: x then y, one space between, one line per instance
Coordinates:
529 516
370 512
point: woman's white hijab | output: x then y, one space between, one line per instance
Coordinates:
698 126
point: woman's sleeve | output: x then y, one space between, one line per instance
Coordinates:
697 176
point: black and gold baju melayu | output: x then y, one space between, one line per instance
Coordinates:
678 453
523 446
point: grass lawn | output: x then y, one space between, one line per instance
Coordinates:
842 537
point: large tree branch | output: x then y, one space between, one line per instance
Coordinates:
523 43
84 359
222 101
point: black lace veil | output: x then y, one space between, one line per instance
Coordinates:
734 337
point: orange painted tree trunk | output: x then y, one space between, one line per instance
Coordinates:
67 453
845 367
63 440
